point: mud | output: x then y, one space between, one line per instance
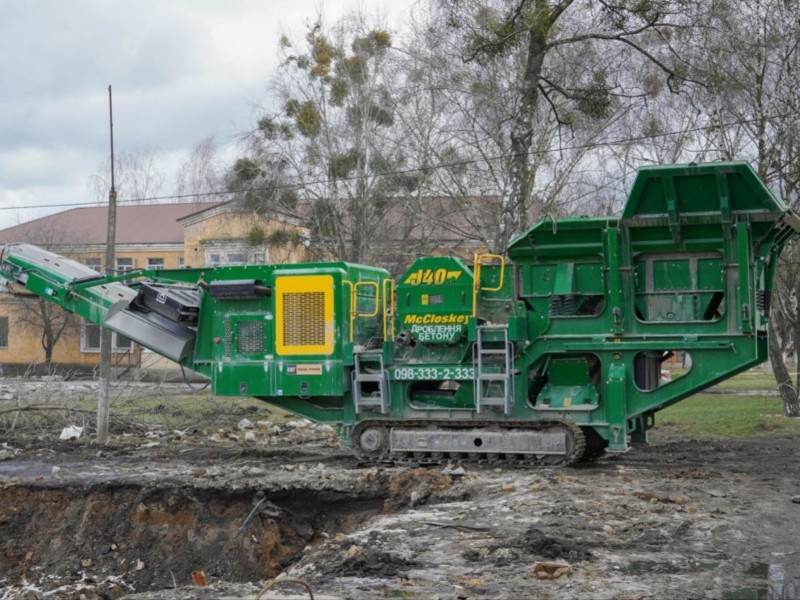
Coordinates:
679 518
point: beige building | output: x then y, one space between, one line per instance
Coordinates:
155 236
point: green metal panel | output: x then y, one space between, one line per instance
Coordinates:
435 300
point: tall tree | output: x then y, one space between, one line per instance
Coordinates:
327 156
565 56
752 60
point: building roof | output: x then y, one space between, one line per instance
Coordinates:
137 224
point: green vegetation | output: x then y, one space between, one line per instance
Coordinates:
134 409
725 414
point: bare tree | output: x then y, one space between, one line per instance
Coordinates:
139 177
752 60
328 157
38 316
199 178
563 59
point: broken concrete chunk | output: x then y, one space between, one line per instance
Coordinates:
245 424
551 570
73 432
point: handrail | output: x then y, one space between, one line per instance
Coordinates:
476 286
371 284
353 313
352 308
388 308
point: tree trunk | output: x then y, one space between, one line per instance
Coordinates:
788 392
521 138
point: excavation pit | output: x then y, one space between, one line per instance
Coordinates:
165 508
149 538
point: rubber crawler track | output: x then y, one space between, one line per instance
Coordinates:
525 460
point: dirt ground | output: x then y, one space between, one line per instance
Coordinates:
180 514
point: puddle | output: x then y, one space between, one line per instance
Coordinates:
774 584
397 593
644 567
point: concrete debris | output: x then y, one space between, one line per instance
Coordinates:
454 471
245 424
680 518
548 570
411 487
73 432
654 498
199 578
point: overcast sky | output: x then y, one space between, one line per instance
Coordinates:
181 70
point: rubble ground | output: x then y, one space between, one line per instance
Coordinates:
202 506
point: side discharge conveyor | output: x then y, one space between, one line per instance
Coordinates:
550 353
108 302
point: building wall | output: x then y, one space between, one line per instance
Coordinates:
215 233
234 232
22 346
170 255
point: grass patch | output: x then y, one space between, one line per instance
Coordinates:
719 415
750 381
49 407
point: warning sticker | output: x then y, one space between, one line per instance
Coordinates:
308 369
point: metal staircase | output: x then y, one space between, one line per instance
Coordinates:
493 357
368 369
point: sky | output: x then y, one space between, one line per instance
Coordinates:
180 70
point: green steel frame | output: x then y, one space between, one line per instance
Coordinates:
575 327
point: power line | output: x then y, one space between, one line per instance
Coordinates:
459 163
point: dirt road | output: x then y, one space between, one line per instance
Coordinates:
679 518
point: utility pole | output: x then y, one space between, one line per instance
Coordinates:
105 335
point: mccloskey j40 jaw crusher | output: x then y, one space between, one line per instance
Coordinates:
550 354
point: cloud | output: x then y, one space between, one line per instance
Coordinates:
181 70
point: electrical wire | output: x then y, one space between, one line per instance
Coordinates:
448 165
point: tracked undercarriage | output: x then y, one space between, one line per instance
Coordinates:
544 442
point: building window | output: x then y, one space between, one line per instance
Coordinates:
3 332
90 339
124 265
93 263
155 263
233 253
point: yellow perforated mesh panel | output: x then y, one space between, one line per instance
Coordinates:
304 319
304 314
